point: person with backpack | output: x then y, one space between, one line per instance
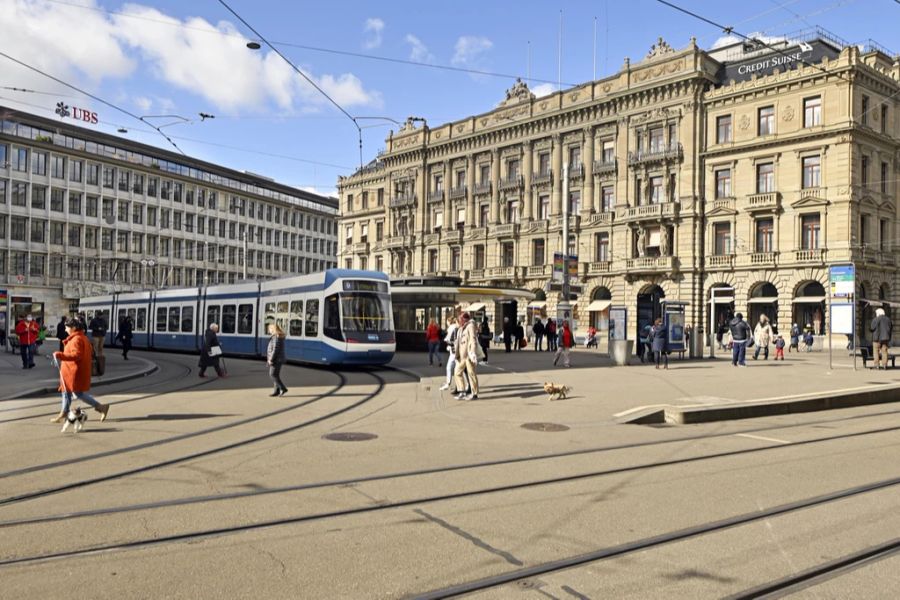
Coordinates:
566 341
450 340
795 338
538 330
740 337
882 331
659 343
550 330
468 350
75 372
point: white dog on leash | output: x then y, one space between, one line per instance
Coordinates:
77 417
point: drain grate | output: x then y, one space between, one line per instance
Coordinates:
545 427
350 436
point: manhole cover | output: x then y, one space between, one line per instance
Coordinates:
545 427
350 436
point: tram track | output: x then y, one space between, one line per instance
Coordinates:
209 451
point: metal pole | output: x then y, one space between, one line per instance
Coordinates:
244 237
712 323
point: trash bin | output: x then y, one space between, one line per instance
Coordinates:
620 351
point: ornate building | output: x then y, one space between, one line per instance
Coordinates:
686 170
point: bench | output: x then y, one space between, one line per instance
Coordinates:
865 352
13 343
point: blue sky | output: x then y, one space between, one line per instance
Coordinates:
166 57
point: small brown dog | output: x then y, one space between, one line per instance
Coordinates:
556 392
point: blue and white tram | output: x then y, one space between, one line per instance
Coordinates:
336 317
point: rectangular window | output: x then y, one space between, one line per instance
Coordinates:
485 173
187 319
809 231
884 238
812 171
765 178
512 211
884 178
93 174
38 197
174 319
152 186
507 254
109 178
380 198
722 235
76 169
19 194
478 258
38 231
124 180
574 156
544 163
864 171
656 190
39 163
3 187
92 206
75 236
723 129
122 212
4 156
812 111
229 318
17 228
484 215
437 221
312 318
864 117
58 200
723 183
884 119
657 141
609 151
544 207
512 169
58 167
295 320
767 120
20 159
74 203
432 261
607 198
538 256
764 235
454 258
601 253
864 234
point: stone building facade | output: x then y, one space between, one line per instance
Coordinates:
662 203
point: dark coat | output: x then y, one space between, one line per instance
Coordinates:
882 328
126 332
275 351
740 330
484 335
210 339
659 339
61 332
97 327
538 329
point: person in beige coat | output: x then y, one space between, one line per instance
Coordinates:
763 336
468 352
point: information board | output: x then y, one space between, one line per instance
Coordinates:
843 281
618 319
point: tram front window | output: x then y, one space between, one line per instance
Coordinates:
366 316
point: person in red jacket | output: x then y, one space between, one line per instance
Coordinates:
27 329
75 371
433 337
566 341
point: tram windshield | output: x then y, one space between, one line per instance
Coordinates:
366 312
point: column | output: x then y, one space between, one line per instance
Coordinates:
495 187
590 201
527 199
471 217
557 200
422 220
449 223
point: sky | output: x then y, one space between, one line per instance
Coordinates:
177 58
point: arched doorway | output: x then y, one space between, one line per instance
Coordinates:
763 301
724 307
598 309
809 307
648 310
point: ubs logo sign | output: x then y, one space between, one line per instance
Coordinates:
79 114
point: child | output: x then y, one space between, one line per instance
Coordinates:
808 340
779 348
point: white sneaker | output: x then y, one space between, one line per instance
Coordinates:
446 386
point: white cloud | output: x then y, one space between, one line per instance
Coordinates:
545 89
469 49
374 26
418 51
144 104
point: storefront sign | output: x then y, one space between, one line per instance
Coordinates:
4 298
79 114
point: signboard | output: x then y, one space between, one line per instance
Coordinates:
4 298
789 57
79 114
843 281
673 321
558 267
618 319
842 318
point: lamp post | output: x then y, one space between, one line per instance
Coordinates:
564 308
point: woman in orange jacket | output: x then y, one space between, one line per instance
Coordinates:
75 371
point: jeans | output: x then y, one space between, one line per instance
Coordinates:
275 375
538 340
83 396
661 357
27 352
739 352
451 366
764 348
434 350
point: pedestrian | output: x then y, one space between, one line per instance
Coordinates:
550 332
484 337
450 341
808 338
211 351
740 337
566 341
779 348
882 331
591 340
762 336
538 330
795 338
75 372
467 356
659 343
27 330
98 329
519 333
275 358
433 338
507 334
82 319
61 333
125 335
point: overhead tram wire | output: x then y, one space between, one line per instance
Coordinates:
93 97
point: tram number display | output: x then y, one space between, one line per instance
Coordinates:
364 286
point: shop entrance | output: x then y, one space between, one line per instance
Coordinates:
649 309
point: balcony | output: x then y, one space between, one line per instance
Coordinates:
431 239
476 233
810 256
648 212
721 205
576 170
671 153
542 178
539 226
452 236
599 267
500 272
505 230
476 274
400 241
603 218
511 183
574 222
539 270
720 261
482 188
650 264
760 259
458 192
605 167
360 248
768 201
402 200
436 196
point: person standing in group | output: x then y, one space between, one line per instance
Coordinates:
75 372
762 336
507 334
519 333
61 333
779 348
659 343
882 331
552 338
275 357
211 351
467 350
125 335
484 337
795 338
566 341
538 330
808 338
740 336
98 329
27 330
433 338
450 340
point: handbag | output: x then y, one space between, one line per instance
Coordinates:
523 343
215 351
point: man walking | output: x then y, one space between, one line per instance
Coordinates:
762 335
467 349
538 331
508 331
98 334
740 336
27 329
882 330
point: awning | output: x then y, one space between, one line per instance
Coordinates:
536 304
474 307
763 300
724 299
809 299
878 302
599 305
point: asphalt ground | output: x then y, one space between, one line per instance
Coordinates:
210 489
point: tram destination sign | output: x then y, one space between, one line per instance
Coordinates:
790 57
